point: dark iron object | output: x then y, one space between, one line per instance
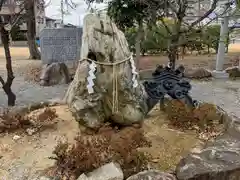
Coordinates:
171 82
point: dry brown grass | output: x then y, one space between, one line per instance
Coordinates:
205 118
92 151
32 72
21 120
233 72
178 131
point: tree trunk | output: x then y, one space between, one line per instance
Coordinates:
173 51
138 43
172 56
31 30
105 43
10 77
183 53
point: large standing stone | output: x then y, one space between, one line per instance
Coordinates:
105 43
60 45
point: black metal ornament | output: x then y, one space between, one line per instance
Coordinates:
166 81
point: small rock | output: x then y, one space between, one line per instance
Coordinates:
155 160
197 73
31 131
83 177
153 175
233 71
44 178
55 73
110 171
16 137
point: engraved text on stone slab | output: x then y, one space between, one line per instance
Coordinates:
60 45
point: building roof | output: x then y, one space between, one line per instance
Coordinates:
69 25
49 19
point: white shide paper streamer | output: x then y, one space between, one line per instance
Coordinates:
134 73
92 68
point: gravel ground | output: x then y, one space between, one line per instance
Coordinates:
28 92
225 94
220 92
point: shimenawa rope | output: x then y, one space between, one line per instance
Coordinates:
115 78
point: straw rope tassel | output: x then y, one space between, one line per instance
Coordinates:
115 90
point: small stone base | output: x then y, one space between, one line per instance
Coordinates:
220 74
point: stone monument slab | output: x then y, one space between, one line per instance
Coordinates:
60 45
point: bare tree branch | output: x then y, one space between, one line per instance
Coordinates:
10 77
213 7
1 80
70 4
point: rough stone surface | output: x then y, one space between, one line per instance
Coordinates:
55 73
44 178
193 73
110 171
104 42
153 175
82 177
60 45
219 160
197 73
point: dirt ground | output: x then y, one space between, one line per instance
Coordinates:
168 145
20 57
30 154
189 61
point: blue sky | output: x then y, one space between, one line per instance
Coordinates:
76 16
